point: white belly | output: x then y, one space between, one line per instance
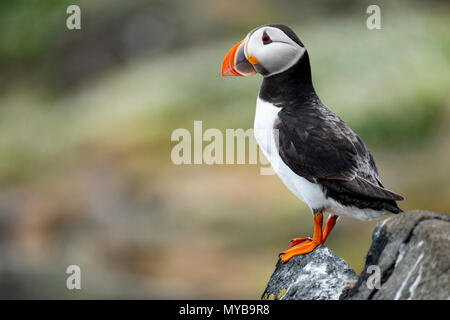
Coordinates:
310 193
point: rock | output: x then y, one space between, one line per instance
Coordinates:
320 275
412 252
409 258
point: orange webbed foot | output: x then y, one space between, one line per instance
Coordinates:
297 241
303 248
300 246
305 245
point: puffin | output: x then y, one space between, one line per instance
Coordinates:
319 158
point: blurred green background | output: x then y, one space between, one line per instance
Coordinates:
86 118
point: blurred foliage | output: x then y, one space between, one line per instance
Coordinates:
29 28
86 118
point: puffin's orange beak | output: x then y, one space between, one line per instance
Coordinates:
236 63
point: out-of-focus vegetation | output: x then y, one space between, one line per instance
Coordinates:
86 118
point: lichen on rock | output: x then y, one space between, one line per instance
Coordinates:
410 250
319 275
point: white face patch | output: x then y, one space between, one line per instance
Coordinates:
278 55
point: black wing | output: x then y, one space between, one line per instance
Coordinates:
317 145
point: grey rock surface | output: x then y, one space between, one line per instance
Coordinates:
319 275
413 255
409 255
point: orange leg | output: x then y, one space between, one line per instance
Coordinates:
306 246
331 221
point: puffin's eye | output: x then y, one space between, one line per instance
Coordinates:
265 38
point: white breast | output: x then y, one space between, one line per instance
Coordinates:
310 193
267 137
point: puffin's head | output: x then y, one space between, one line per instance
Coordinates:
268 50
